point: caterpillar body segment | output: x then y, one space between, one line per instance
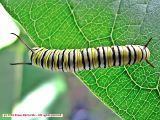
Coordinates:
73 60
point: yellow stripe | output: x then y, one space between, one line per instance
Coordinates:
94 58
65 63
78 56
132 54
34 57
37 55
110 56
125 55
46 59
56 59
139 54
90 58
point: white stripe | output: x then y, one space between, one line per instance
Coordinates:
76 67
90 57
101 57
71 61
148 52
86 59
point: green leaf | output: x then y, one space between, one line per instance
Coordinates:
133 92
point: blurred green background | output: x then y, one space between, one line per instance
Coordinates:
28 89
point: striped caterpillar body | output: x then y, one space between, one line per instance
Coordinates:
73 60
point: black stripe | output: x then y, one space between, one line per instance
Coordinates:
35 53
74 57
119 55
114 56
129 56
99 59
58 61
88 59
43 56
142 54
37 56
52 61
83 62
48 60
32 57
37 60
63 59
135 55
104 57
69 59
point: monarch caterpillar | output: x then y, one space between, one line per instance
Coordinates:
73 60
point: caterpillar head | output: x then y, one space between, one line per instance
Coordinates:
32 52
148 53
145 51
